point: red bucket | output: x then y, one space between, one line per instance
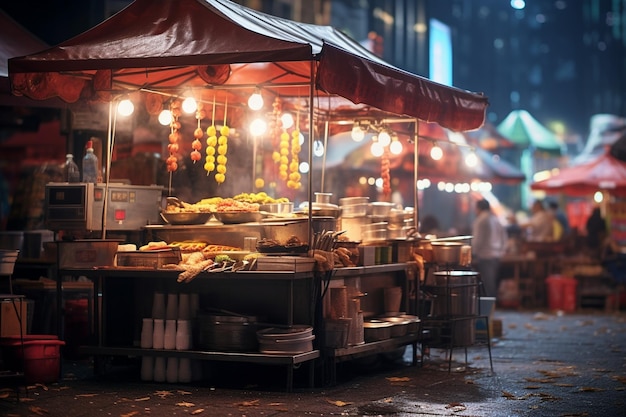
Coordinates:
562 293
42 357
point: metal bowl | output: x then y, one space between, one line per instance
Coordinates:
237 217
277 208
185 218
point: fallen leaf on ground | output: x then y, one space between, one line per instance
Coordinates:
249 403
142 399
456 407
619 378
196 412
590 389
398 379
563 385
508 395
388 400
38 410
131 414
163 394
185 404
86 395
338 403
531 387
183 392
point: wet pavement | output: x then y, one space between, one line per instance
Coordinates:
544 364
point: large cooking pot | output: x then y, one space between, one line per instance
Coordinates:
283 230
291 340
227 333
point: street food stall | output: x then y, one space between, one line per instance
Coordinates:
225 266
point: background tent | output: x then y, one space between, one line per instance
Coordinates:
604 173
525 131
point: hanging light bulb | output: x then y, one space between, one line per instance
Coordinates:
258 127
384 138
125 107
287 120
471 160
395 147
377 149
318 148
255 102
436 153
190 105
357 133
165 117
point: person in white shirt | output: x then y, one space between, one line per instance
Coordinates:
540 226
488 245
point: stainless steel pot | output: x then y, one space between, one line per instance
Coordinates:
447 252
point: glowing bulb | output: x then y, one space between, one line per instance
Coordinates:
471 160
287 120
165 117
384 138
318 148
258 127
190 105
436 153
598 197
377 149
125 107
395 147
304 167
255 102
357 134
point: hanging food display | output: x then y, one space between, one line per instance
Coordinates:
174 136
211 143
198 133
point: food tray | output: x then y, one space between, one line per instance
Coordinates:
149 259
237 217
285 263
185 217
282 249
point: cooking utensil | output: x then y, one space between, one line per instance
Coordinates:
237 217
185 217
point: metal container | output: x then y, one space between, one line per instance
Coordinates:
291 340
238 217
276 208
354 210
227 333
456 293
282 231
381 208
186 218
349 201
447 252
376 330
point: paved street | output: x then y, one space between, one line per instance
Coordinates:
545 364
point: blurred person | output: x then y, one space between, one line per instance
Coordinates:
429 225
596 232
488 245
540 226
562 227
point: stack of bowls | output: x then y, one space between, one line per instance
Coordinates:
354 216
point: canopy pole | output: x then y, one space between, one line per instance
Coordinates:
107 175
416 150
326 130
310 156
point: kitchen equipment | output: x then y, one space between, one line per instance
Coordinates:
277 208
354 210
376 330
237 217
446 252
186 218
228 333
349 201
323 198
400 325
80 206
149 259
292 340
381 208
87 253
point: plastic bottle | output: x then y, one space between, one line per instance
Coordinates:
72 173
90 165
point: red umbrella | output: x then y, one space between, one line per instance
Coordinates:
604 173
